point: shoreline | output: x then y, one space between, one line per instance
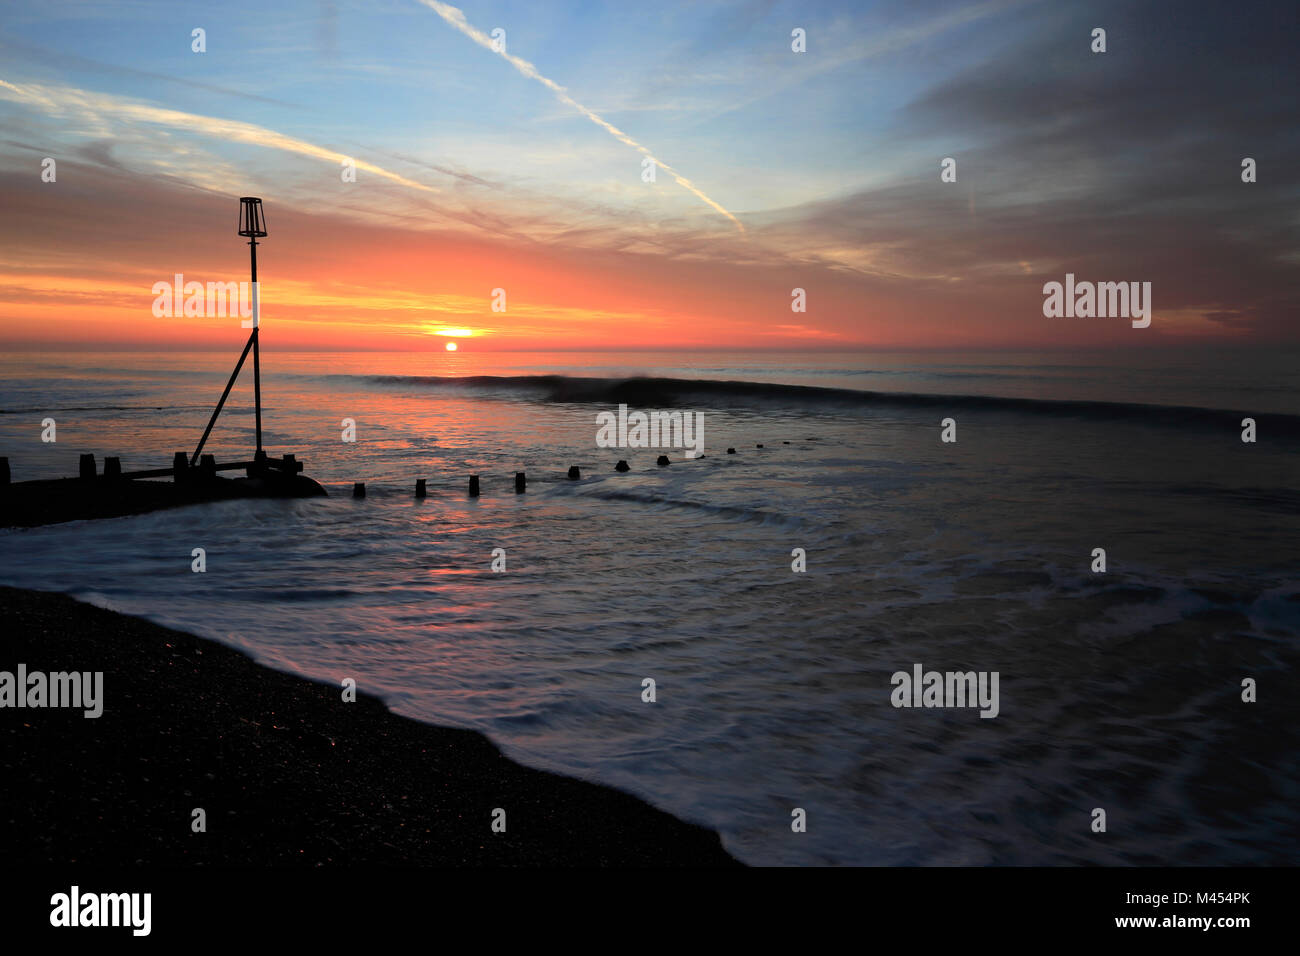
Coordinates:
288 774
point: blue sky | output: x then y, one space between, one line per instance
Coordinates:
713 89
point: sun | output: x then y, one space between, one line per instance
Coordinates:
451 346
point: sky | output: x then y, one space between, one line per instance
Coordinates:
522 168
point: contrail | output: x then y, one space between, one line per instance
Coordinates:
456 18
65 99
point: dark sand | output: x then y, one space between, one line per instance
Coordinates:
287 772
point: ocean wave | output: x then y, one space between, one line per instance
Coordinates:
670 392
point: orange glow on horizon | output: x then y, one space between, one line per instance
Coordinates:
385 288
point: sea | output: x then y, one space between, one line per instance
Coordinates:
770 594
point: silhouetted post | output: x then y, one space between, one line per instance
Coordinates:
112 468
4 471
180 467
359 489
731 451
473 486
521 483
575 473
622 465
87 467
252 223
663 460
419 488
208 467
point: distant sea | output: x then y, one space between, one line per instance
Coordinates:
1118 690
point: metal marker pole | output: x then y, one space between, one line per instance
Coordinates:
257 364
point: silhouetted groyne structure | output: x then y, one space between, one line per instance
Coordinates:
195 478
26 504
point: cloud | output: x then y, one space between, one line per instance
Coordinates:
98 106
456 17
70 61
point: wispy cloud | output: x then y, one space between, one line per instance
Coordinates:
764 80
98 106
456 17
70 61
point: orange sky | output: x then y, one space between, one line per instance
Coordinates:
80 262
328 282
